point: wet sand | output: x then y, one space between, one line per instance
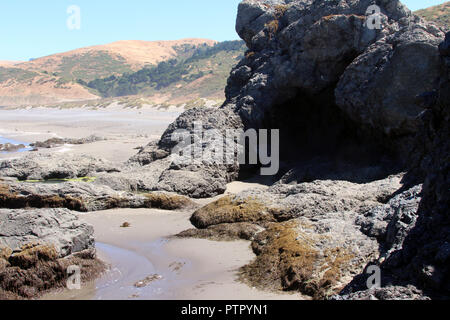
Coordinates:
124 129
191 269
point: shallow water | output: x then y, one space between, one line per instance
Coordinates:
4 140
192 269
126 268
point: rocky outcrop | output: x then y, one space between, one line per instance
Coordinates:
313 257
45 167
199 178
57 227
387 293
224 232
348 96
283 202
195 176
392 222
84 197
335 82
307 238
37 247
416 238
320 46
57 142
9 147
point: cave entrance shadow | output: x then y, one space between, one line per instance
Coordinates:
318 141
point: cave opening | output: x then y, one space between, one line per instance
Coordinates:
318 141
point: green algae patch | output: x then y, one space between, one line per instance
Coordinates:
13 200
223 232
168 201
292 261
81 179
230 209
36 268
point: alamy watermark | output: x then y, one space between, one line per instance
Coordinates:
212 146
373 21
374 280
74 278
74 20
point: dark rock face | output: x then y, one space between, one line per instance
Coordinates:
426 251
323 55
417 236
199 178
336 87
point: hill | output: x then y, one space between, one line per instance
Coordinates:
115 58
202 75
103 71
439 14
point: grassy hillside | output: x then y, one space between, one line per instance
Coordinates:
61 77
439 14
112 59
7 73
205 72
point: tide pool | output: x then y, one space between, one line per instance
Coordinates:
4 140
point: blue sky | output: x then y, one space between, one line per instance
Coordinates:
35 28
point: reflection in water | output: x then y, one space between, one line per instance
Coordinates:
4 140
119 282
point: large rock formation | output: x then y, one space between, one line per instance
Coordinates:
352 88
335 79
309 241
417 237
196 177
324 59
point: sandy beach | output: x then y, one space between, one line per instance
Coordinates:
123 129
189 268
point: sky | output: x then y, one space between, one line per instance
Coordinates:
36 28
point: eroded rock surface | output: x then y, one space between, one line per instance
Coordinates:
83 197
334 84
36 248
60 228
308 238
35 166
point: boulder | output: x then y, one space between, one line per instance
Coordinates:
58 228
308 239
35 166
84 197
194 177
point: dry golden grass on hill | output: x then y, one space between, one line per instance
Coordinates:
439 14
134 53
53 79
